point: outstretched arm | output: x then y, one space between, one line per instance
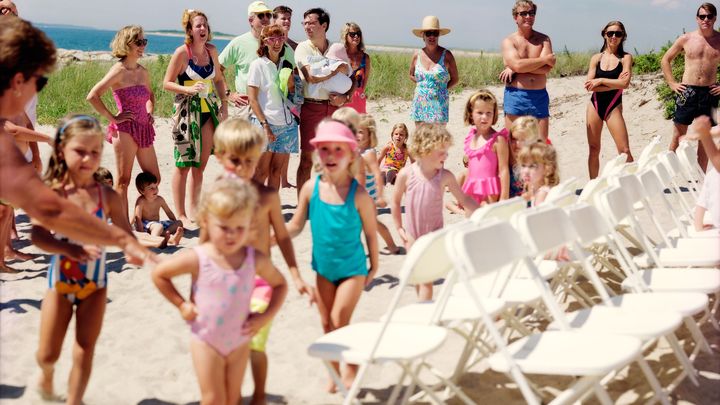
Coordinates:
449 181
395 207
297 222
368 216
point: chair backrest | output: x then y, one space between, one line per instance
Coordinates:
650 151
589 223
612 164
631 186
654 189
671 160
561 200
502 210
625 168
591 189
428 259
688 157
615 205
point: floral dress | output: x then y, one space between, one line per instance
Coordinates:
431 102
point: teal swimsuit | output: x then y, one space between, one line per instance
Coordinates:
337 252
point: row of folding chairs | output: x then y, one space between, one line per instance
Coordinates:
497 278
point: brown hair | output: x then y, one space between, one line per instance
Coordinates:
544 154
482 95
344 34
404 127
120 45
523 3
709 7
186 22
268 31
281 10
144 179
70 127
23 49
620 50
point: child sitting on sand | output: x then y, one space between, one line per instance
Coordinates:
147 211
538 171
394 154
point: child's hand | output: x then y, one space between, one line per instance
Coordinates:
700 127
253 324
83 254
370 277
381 202
404 238
188 311
303 288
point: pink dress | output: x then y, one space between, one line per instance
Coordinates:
222 298
482 179
134 98
423 202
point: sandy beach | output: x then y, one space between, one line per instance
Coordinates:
142 356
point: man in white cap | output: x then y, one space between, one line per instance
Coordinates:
241 51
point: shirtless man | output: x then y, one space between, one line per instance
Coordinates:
698 93
528 58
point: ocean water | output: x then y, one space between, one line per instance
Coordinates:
90 39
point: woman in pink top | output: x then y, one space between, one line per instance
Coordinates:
351 49
423 184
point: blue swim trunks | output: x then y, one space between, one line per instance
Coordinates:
526 102
147 224
286 137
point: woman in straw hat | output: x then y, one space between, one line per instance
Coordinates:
433 69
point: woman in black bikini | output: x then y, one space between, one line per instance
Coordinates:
608 75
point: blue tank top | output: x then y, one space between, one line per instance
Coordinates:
337 250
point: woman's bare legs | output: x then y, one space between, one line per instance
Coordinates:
88 319
618 130
125 151
196 173
179 181
147 159
593 125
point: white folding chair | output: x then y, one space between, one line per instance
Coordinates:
569 185
404 344
503 209
650 151
676 181
612 164
681 173
688 157
588 357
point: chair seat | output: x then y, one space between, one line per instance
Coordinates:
458 309
640 324
694 255
708 246
547 268
686 303
569 353
705 281
401 341
518 291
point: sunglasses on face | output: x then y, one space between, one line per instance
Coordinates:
275 40
141 42
433 33
706 16
354 34
616 34
40 83
263 15
526 14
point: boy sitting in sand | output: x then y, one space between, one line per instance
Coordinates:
147 211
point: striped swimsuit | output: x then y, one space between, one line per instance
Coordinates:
370 182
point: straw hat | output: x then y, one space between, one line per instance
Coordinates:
430 23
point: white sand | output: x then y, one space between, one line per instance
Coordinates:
142 355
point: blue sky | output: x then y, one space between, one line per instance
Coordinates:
475 24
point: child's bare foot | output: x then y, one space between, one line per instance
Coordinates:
4 268
12 254
185 220
177 236
165 240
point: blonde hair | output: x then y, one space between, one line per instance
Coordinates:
353 167
348 116
70 127
526 128
226 198
545 155
480 95
186 23
427 138
344 35
120 45
523 3
368 122
238 137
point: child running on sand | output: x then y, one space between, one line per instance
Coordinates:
523 131
238 147
538 171
77 277
394 154
422 185
373 181
339 211
147 211
223 269
488 176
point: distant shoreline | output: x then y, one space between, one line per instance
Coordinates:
179 35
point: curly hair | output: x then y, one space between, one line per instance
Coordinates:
268 31
186 23
238 137
368 122
542 154
69 127
344 35
224 199
23 49
120 44
526 129
480 95
427 138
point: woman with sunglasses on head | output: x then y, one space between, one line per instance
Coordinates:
131 129
351 49
608 75
433 69
200 104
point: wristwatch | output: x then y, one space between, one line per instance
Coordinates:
227 92
263 123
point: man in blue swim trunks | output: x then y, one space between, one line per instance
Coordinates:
528 57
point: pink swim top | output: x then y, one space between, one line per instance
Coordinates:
423 202
134 99
222 298
482 179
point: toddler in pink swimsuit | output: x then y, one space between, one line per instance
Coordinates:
223 269
422 184
488 177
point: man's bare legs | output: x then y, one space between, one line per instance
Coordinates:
304 169
679 130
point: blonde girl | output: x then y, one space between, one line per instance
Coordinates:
77 277
422 185
523 131
131 130
223 268
538 171
488 175
394 154
373 180
339 211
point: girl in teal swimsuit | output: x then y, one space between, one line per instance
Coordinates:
339 210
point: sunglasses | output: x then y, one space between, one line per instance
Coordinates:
275 40
616 34
432 33
141 42
354 34
263 15
706 16
40 83
526 14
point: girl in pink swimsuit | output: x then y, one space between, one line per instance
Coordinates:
223 269
488 177
423 184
